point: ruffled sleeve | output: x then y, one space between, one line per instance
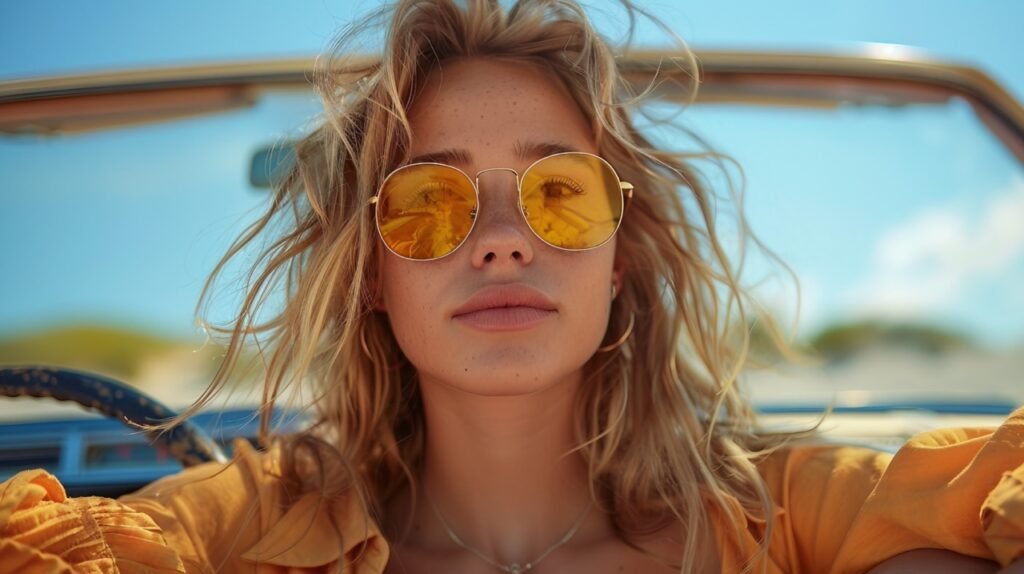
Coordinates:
41 530
210 518
845 509
957 489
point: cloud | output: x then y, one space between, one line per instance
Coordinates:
926 263
776 293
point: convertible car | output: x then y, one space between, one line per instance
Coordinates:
891 185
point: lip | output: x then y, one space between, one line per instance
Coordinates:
510 307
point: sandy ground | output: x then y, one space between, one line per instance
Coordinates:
874 377
882 375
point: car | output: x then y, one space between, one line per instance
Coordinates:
892 185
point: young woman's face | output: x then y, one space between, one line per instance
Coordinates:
496 113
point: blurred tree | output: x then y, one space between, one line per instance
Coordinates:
118 352
842 340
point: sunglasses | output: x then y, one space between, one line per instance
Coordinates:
572 201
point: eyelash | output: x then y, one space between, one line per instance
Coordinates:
424 195
565 181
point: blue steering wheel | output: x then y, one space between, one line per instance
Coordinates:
186 442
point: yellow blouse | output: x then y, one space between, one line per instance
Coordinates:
838 509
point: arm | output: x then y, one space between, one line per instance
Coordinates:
939 562
213 517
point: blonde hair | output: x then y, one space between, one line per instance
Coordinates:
660 421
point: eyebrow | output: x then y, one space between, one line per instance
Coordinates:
448 156
523 150
537 150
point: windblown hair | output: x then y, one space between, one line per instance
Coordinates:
659 422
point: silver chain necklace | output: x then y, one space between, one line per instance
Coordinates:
515 567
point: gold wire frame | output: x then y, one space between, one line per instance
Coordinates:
625 188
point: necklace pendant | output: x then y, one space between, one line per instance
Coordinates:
515 568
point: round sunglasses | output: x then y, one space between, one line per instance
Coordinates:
571 200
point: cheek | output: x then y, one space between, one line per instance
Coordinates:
410 299
590 287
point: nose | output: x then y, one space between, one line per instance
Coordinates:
500 237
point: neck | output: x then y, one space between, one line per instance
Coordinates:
496 470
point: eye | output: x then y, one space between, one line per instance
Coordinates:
561 186
428 195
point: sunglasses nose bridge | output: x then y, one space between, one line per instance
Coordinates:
515 174
498 199
497 195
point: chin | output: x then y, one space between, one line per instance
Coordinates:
507 378
510 386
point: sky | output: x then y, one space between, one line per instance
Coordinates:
943 247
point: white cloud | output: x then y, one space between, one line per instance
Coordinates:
778 294
926 263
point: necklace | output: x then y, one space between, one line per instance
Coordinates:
515 567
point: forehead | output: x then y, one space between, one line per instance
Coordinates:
487 106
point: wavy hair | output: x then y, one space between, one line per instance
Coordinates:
660 421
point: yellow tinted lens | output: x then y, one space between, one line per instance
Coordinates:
572 200
425 211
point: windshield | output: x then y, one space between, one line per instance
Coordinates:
901 223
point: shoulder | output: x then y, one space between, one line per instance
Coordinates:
232 516
804 472
214 506
819 491
219 486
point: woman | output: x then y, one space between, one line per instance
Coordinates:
516 338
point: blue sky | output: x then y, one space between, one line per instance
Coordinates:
941 245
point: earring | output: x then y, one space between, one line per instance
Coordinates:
362 339
615 290
622 339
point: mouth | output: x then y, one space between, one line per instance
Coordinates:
512 318
510 307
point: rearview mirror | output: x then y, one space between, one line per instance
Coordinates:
271 164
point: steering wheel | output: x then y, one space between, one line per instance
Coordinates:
186 442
